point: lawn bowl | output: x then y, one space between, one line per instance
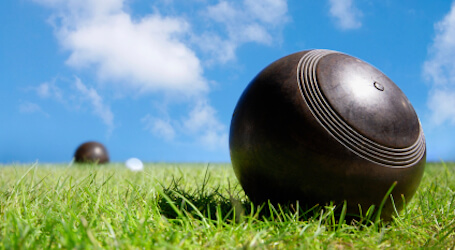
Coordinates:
91 152
320 126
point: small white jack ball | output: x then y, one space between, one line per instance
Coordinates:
134 164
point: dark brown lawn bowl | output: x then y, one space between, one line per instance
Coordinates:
91 152
321 126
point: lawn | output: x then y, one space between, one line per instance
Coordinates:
194 206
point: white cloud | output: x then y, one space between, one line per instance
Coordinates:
442 105
159 127
30 107
99 108
219 49
201 122
148 54
48 90
243 23
43 90
224 12
346 15
271 12
201 117
81 96
439 70
213 139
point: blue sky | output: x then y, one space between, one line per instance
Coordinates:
158 80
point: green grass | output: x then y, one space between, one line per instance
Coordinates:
190 206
